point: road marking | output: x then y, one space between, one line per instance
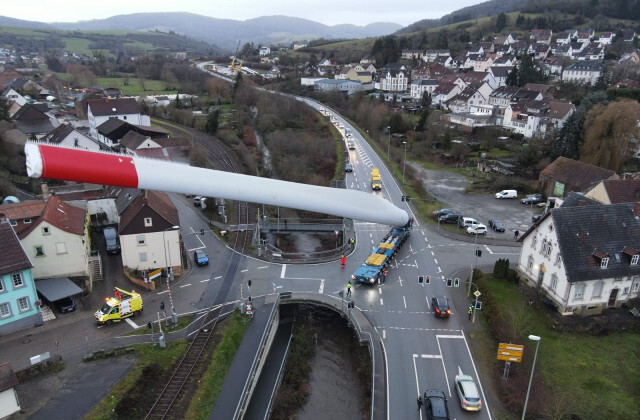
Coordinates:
195 249
381 302
439 270
264 266
205 280
219 277
133 324
431 356
416 262
477 377
370 235
444 368
450 336
284 270
201 243
321 286
164 291
415 371
244 271
185 285
384 334
428 306
499 253
435 260
432 254
400 280
379 290
410 248
405 302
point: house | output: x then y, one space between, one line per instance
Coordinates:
18 296
482 64
342 75
504 61
112 130
558 112
462 102
615 191
455 79
583 255
420 86
523 117
499 40
577 48
161 100
444 92
502 50
562 50
541 36
125 109
148 239
487 47
479 77
585 37
445 60
11 95
67 135
274 73
9 74
470 61
32 121
541 51
564 175
412 54
9 402
368 59
475 50
545 90
394 78
583 72
500 74
606 38
264 51
563 38
628 35
181 55
51 82
333 85
298 46
500 99
133 141
430 55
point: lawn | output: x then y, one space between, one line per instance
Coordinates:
134 88
598 374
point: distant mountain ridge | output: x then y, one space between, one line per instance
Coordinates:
223 32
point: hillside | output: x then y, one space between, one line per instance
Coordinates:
223 32
110 42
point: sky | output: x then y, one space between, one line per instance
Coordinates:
329 12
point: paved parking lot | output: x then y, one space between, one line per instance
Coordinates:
449 187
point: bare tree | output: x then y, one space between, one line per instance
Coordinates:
517 317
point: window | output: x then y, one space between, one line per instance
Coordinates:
544 246
23 304
530 263
39 251
559 259
625 291
61 248
604 262
578 291
617 279
634 259
534 241
554 281
147 222
141 240
549 250
143 256
17 280
597 289
5 310
636 286
2 289
14 223
26 221
46 231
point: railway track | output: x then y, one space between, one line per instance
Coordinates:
176 387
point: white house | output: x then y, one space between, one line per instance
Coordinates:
126 109
9 402
444 92
583 72
583 255
420 86
11 95
333 85
264 51
66 135
482 64
148 239
606 38
500 74
394 78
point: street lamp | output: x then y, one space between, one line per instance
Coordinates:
389 142
526 400
174 318
404 164
475 264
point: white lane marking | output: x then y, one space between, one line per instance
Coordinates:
431 356
244 271
476 372
219 277
133 324
201 243
321 286
384 334
450 336
432 254
381 302
164 291
410 248
444 368
440 270
185 285
416 262
428 306
415 371
195 249
264 266
379 290
400 280
405 302
284 270
205 280
500 253
370 235
436 261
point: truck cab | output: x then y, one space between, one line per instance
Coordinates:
376 183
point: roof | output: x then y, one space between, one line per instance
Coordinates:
8 378
425 82
109 126
588 233
12 258
501 71
577 174
64 216
559 110
25 210
444 88
113 107
59 133
586 66
57 288
157 201
132 140
124 197
623 190
506 92
30 112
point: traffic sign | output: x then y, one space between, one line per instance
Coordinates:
509 346
510 352
477 293
155 273
516 359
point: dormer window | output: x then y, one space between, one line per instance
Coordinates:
604 262
634 259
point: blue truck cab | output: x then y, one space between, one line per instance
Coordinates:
381 256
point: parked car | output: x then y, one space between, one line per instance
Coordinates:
66 304
496 225
348 167
449 218
468 222
532 199
536 217
441 307
478 229
441 212
111 240
467 392
435 405
507 194
200 257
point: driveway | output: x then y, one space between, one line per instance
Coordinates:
449 187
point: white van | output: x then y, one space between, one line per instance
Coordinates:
507 194
467 222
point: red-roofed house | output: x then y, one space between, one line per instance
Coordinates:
616 191
147 239
9 403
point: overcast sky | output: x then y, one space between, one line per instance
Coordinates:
330 12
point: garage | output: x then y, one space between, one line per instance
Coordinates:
57 288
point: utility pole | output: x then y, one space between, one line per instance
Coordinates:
474 265
389 142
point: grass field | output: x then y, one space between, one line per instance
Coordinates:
597 374
151 87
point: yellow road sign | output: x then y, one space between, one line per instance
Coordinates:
510 352
506 346
155 273
516 359
477 293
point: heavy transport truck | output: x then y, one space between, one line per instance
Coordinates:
376 183
372 269
123 305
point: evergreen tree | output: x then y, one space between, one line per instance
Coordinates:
426 99
178 104
424 116
501 22
512 77
446 141
4 110
520 21
212 122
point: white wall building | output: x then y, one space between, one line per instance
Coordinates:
126 109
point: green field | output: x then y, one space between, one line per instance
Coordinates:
598 375
134 88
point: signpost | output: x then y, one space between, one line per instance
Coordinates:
509 353
155 273
475 305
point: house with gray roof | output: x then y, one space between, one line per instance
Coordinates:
67 135
583 255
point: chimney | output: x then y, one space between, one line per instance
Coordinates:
45 190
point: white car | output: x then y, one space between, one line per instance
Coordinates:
478 229
467 392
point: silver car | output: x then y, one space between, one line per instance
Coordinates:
467 392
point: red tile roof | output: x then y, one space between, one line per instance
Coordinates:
12 258
158 201
623 190
577 174
64 216
8 378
